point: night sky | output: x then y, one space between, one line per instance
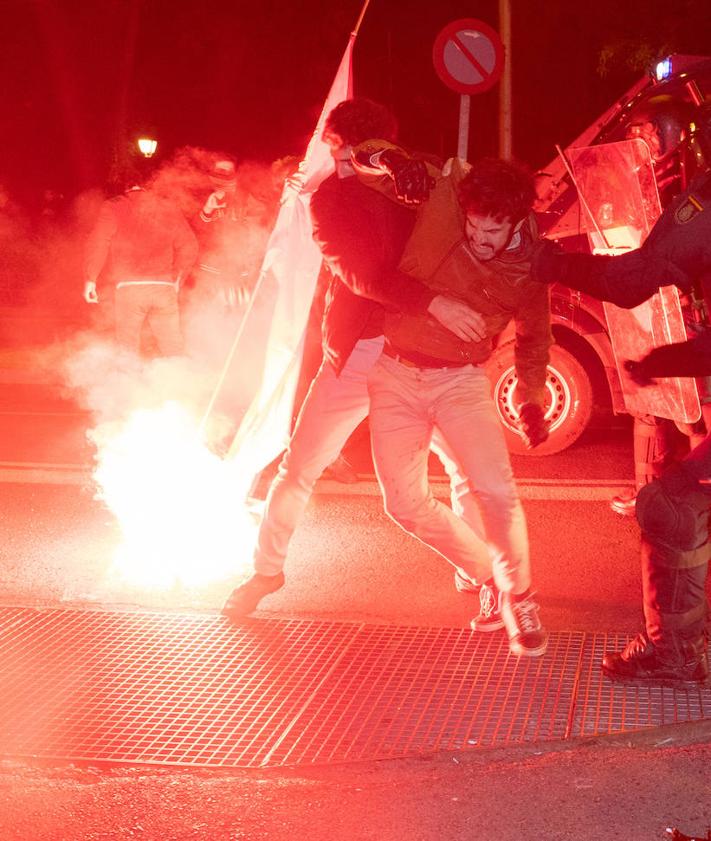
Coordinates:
249 78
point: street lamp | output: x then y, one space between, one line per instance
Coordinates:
147 146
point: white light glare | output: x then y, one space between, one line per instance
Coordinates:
147 146
663 69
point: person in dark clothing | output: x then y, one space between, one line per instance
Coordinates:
142 244
231 237
361 234
672 510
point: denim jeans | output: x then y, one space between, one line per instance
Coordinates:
333 408
407 407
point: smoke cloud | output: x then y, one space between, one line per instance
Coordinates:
41 278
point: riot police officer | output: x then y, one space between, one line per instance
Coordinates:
673 510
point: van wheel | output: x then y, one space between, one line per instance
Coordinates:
568 400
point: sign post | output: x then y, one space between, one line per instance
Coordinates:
463 141
468 57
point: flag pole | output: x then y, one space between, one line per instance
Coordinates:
240 330
230 356
581 195
360 17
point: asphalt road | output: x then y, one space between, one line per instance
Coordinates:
347 560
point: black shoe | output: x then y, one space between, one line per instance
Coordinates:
624 504
527 637
341 470
489 618
245 598
642 663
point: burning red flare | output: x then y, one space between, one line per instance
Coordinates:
180 507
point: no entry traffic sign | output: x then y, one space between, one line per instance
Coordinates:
468 56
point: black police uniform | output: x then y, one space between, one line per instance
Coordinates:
673 510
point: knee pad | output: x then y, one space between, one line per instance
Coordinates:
673 511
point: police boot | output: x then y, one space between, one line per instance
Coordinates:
644 662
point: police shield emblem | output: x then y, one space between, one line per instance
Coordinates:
687 210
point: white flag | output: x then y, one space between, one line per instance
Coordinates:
290 270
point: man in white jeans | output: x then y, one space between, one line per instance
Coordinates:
473 239
361 234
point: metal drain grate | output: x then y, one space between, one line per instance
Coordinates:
194 690
603 707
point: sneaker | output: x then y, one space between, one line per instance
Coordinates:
641 662
464 584
246 597
527 637
624 504
489 618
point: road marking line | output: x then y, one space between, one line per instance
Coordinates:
587 490
44 477
17 413
551 490
44 465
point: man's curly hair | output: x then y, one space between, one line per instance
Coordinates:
501 189
359 119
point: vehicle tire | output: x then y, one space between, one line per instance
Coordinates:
568 401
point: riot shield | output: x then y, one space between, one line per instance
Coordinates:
619 204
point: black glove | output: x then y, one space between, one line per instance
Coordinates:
410 177
637 372
551 264
544 262
533 425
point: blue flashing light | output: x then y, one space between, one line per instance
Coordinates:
663 69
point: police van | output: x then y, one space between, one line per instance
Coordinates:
662 110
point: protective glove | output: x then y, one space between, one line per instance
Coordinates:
533 425
90 294
636 370
544 262
551 264
410 177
